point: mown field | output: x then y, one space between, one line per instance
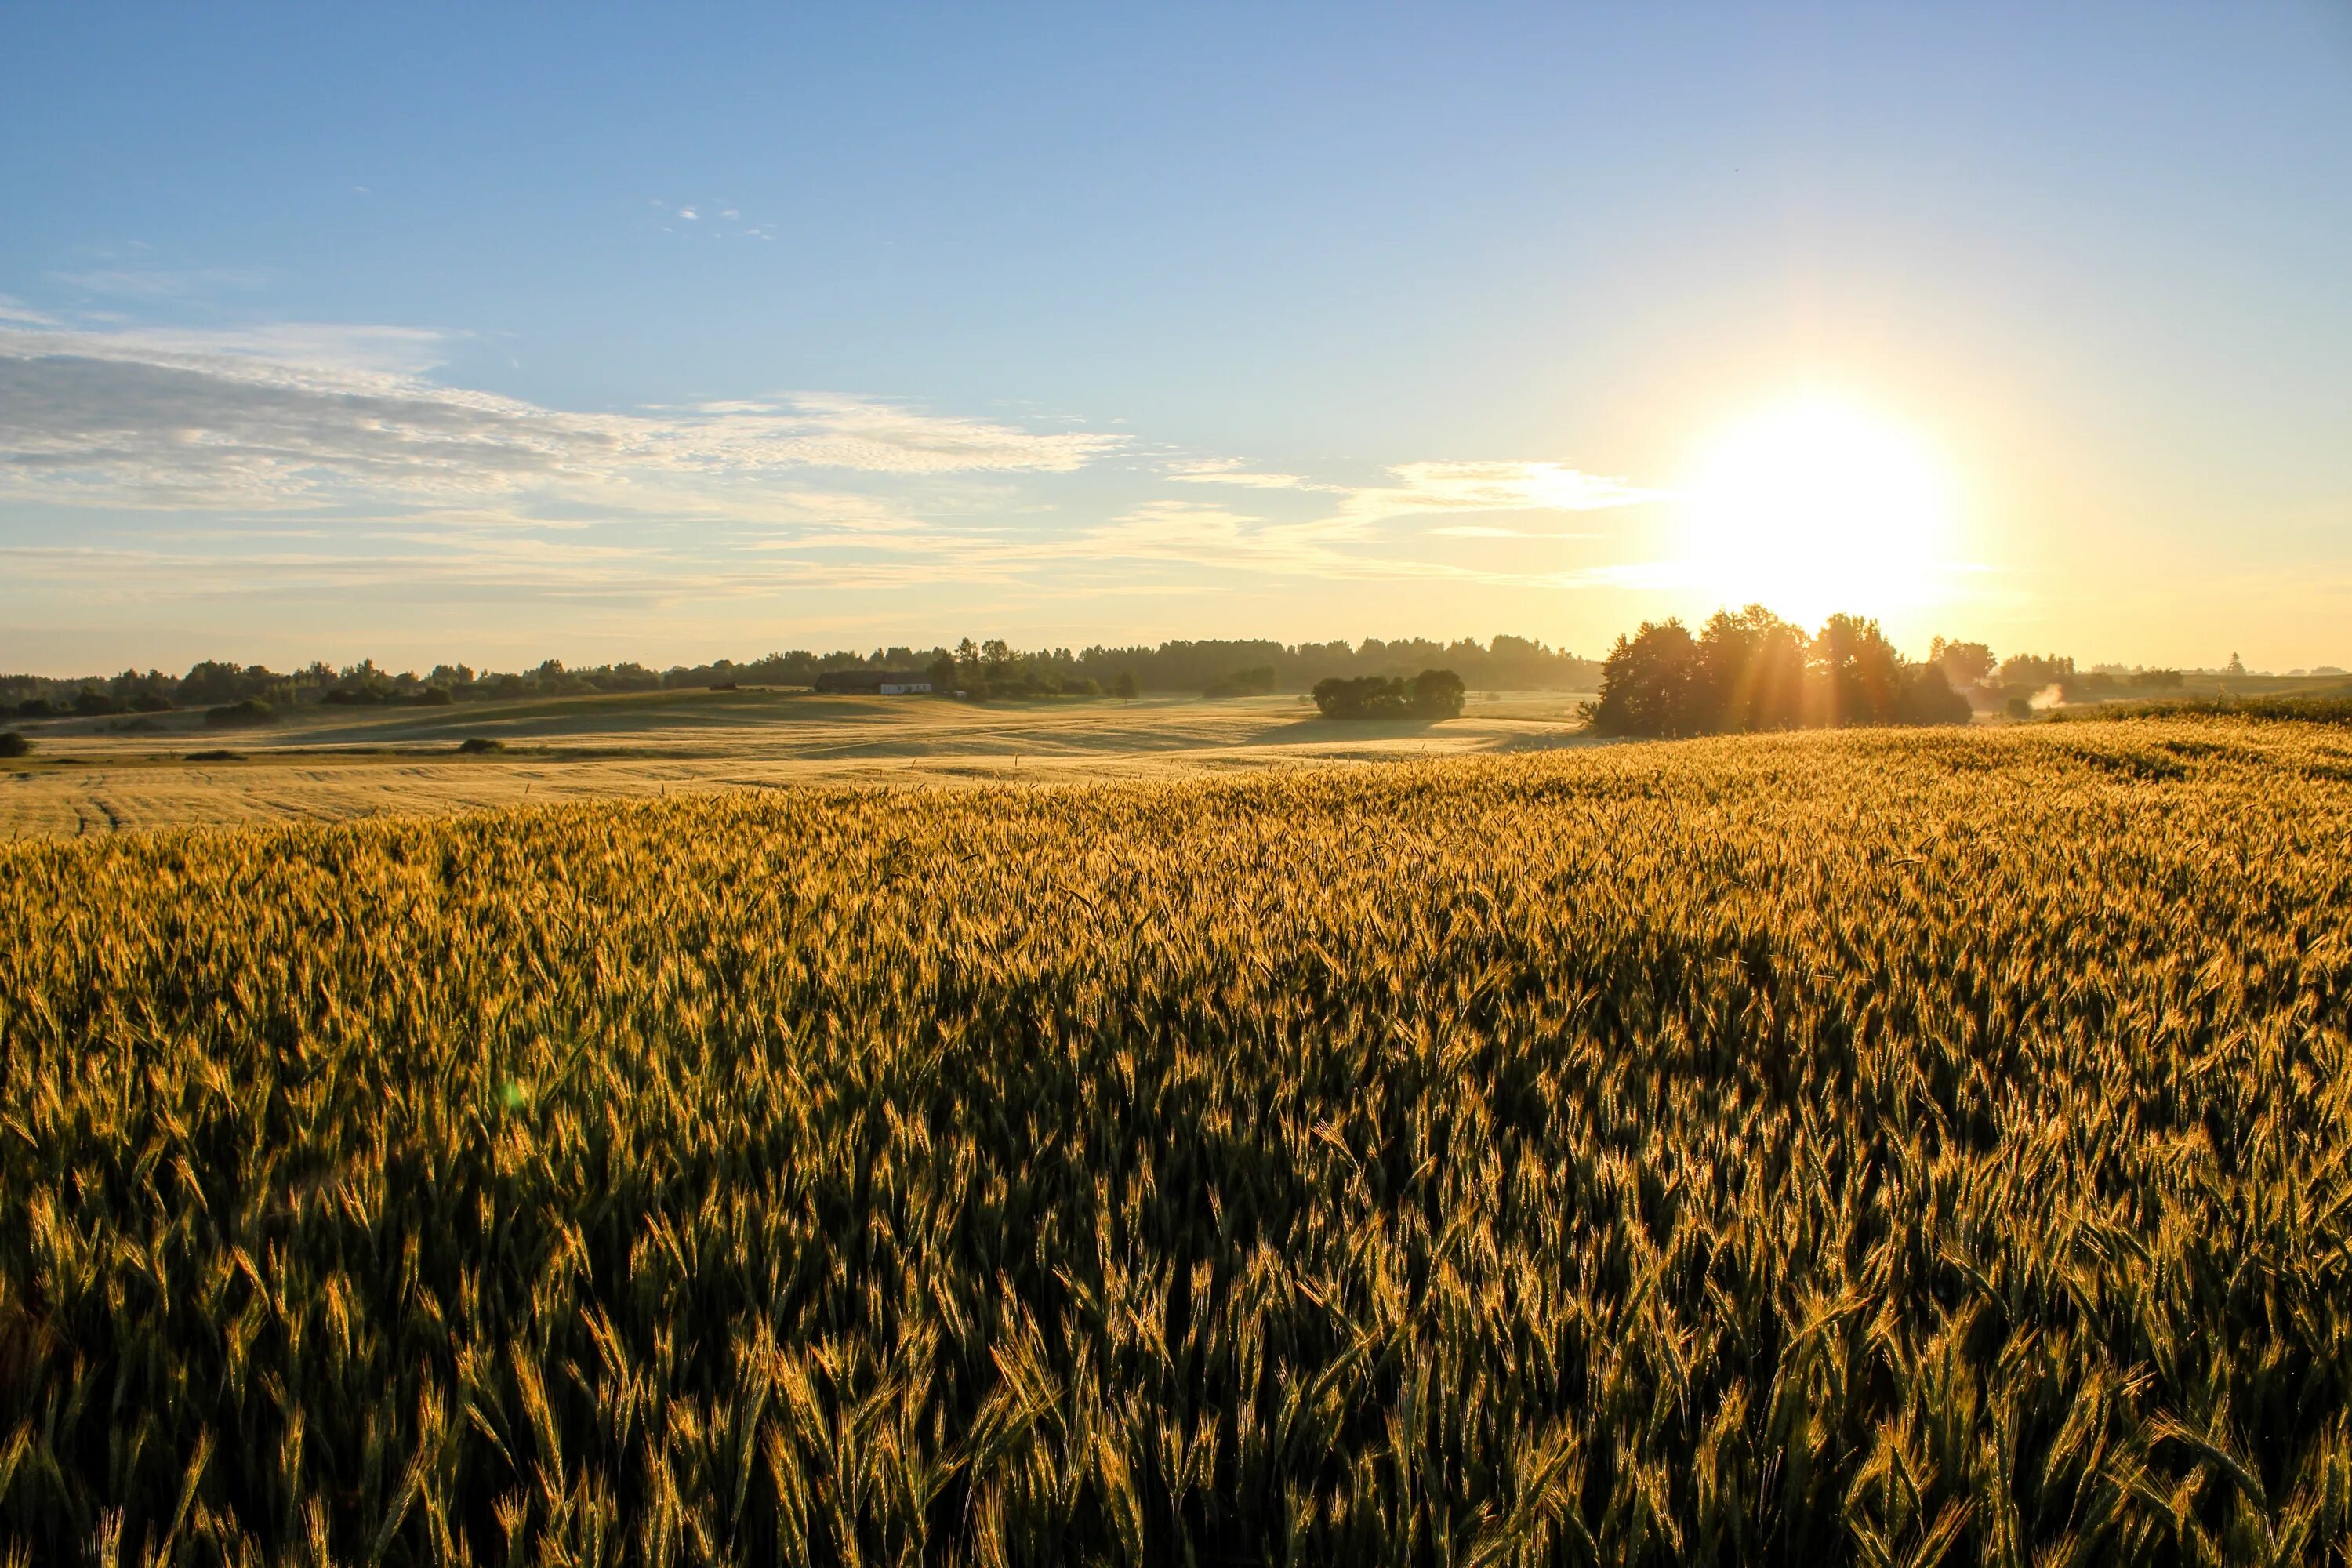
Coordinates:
342 764
1870 1148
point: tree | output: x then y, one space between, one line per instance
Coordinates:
1926 697
1857 674
214 681
1751 671
1125 689
1365 696
1651 684
1966 663
1437 694
942 673
1255 682
2035 669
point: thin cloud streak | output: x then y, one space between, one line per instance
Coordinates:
306 417
1439 487
321 461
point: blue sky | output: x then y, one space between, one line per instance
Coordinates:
671 332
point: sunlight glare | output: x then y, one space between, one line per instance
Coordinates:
1815 506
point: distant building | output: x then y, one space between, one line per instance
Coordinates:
875 682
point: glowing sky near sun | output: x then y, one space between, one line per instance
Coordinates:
496 335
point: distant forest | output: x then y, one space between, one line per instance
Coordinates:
1235 666
994 668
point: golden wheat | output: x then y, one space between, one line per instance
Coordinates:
1832 1148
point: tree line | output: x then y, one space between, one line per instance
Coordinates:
1752 670
1666 680
994 667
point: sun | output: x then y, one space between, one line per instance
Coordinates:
1816 505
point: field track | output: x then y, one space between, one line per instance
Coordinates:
1872 1147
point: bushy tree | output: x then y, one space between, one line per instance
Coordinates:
215 681
1857 676
1965 663
1926 697
2035 669
1437 694
1653 684
1364 696
1751 670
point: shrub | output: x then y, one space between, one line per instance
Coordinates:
12 744
243 715
2318 707
1365 696
1432 694
475 745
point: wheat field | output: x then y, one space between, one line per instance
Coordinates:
1833 1148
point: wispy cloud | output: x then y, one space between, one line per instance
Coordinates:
295 461
1487 530
300 416
1423 489
1442 487
1207 535
1229 471
155 284
16 313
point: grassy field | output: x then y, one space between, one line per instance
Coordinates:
338 764
1869 1147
